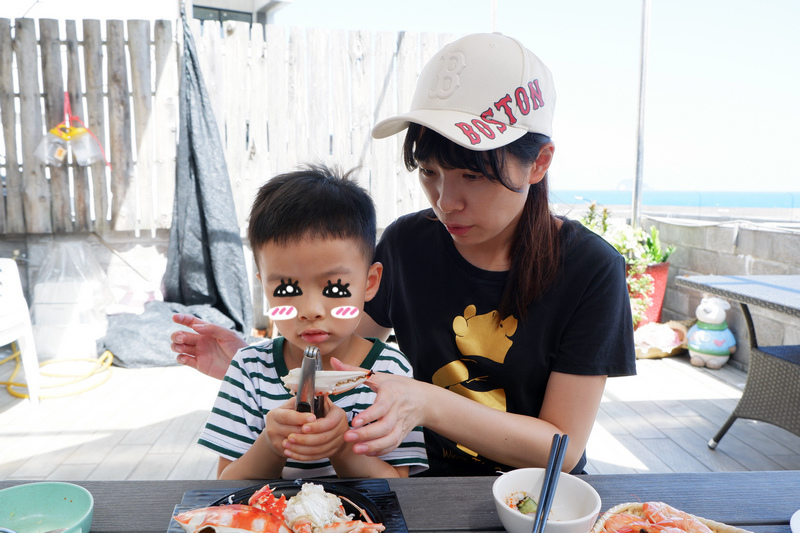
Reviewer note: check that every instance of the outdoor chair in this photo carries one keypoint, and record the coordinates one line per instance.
(772, 391)
(15, 324)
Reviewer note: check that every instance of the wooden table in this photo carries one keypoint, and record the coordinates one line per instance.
(758, 501)
(772, 391)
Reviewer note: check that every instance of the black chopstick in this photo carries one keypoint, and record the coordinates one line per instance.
(557, 451)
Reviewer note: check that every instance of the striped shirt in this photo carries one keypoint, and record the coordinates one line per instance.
(252, 386)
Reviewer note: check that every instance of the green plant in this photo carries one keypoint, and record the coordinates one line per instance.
(640, 249)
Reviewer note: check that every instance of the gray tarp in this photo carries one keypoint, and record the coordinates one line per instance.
(205, 261)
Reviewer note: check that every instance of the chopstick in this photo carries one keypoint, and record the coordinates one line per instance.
(557, 451)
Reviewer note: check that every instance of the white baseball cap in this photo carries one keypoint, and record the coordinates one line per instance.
(482, 91)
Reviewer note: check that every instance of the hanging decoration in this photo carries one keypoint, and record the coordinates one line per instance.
(73, 134)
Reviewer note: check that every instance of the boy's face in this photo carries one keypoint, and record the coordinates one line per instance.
(316, 289)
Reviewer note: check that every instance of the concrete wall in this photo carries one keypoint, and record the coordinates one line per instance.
(730, 248)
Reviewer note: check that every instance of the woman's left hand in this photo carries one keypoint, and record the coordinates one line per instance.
(398, 409)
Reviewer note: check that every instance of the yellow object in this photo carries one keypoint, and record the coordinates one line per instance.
(100, 365)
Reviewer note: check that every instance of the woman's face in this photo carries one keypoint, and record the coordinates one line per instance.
(479, 214)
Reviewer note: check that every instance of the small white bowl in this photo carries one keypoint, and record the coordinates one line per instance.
(575, 507)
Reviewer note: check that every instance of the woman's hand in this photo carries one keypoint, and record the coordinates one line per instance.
(398, 409)
(208, 350)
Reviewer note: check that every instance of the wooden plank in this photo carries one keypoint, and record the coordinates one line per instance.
(96, 120)
(297, 98)
(81, 200)
(341, 140)
(277, 88)
(123, 195)
(36, 191)
(317, 76)
(165, 110)
(234, 116)
(361, 100)
(11, 211)
(384, 157)
(53, 89)
(142, 97)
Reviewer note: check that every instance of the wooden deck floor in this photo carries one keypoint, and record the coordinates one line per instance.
(144, 423)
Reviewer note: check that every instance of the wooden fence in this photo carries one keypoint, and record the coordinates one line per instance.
(281, 97)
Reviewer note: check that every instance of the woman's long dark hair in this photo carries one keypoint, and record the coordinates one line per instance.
(535, 251)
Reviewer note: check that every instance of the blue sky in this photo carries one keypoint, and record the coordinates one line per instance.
(723, 79)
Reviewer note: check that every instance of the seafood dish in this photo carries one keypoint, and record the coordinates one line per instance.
(311, 510)
(328, 381)
(656, 517)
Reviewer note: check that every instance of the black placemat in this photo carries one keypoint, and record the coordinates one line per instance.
(377, 490)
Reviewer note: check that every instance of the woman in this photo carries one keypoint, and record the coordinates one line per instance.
(512, 318)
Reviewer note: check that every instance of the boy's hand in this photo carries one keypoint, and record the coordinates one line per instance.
(209, 349)
(320, 438)
(284, 422)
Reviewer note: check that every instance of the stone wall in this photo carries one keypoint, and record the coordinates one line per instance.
(736, 248)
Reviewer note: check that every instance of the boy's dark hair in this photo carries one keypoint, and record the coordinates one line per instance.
(315, 201)
(535, 250)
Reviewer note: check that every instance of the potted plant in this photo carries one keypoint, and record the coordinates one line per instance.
(645, 257)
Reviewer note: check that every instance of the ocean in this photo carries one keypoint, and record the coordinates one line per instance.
(777, 206)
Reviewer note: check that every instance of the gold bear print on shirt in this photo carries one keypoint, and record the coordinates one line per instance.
(477, 336)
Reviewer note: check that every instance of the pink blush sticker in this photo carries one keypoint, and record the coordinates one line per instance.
(282, 312)
(346, 311)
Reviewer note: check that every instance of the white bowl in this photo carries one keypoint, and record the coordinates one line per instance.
(575, 507)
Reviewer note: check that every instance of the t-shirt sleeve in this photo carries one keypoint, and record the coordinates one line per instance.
(234, 422)
(598, 337)
(378, 307)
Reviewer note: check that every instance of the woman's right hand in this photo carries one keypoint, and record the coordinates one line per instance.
(209, 349)
(398, 409)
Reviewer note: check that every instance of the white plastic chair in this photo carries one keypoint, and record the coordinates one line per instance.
(15, 324)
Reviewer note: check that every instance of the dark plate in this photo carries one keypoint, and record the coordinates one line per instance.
(354, 502)
(372, 495)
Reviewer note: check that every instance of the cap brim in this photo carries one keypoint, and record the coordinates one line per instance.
(444, 123)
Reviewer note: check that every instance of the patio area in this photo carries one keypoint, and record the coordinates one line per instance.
(144, 424)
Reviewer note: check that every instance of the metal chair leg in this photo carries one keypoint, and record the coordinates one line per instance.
(724, 429)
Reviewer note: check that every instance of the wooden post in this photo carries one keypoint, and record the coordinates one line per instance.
(96, 118)
(123, 197)
(36, 192)
(11, 213)
(165, 113)
(80, 175)
(142, 93)
(53, 82)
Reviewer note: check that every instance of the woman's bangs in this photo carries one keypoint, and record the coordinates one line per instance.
(430, 146)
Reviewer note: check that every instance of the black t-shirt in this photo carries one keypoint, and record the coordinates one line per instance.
(441, 308)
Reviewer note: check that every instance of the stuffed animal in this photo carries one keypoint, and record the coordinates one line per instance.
(710, 341)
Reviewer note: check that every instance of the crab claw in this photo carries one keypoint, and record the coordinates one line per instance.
(231, 519)
(329, 381)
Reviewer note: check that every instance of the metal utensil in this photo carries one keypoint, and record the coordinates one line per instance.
(307, 401)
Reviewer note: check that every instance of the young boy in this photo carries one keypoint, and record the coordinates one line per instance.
(312, 234)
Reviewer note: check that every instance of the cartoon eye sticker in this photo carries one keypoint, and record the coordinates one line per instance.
(336, 290)
(282, 312)
(346, 311)
(288, 289)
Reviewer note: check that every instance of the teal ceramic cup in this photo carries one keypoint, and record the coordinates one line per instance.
(41, 507)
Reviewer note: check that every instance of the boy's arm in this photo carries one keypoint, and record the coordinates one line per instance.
(259, 462)
(349, 465)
